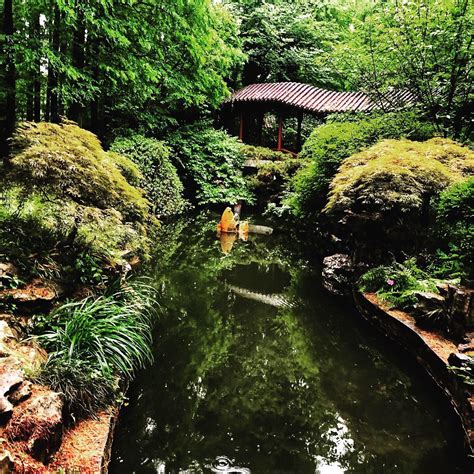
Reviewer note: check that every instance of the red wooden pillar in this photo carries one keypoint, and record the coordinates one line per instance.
(280, 133)
(241, 129)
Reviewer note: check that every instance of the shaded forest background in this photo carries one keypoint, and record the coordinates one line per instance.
(148, 65)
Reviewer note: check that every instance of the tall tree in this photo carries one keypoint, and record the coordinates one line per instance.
(78, 59)
(104, 61)
(424, 46)
(284, 40)
(8, 78)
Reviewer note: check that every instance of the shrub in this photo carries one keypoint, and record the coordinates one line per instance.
(70, 163)
(454, 211)
(94, 341)
(331, 143)
(397, 178)
(456, 203)
(211, 162)
(62, 198)
(86, 390)
(271, 181)
(263, 153)
(160, 178)
(38, 228)
(398, 283)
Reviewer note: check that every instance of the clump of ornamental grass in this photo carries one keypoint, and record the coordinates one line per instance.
(96, 342)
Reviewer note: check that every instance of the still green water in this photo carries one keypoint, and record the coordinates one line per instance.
(259, 370)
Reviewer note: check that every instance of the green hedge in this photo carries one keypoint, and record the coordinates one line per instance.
(160, 178)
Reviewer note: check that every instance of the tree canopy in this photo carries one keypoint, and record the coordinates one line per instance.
(148, 64)
(103, 60)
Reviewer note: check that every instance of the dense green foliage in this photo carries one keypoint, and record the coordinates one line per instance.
(397, 283)
(454, 211)
(160, 178)
(294, 40)
(263, 153)
(331, 143)
(424, 46)
(271, 181)
(284, 40)
(90, 342)
(108, 64)
(211, 161)
(65, 207)
(69, 162)
(396, 179)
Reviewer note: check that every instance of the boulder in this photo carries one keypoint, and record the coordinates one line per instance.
(338, 274)
(11, 377)
(38, 424)
(20, 393)
(36, 295)
(26, 353)
(6, 332)
(6, 459)
(8, 271)
(259, 229)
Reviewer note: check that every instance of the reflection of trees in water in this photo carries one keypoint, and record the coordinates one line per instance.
(264, 386)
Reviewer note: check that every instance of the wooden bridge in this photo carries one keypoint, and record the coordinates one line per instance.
(289, 99)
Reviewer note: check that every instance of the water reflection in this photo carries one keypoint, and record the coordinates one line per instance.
(244, 385)
(224, 465)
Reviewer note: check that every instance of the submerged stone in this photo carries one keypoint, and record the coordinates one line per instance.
(338, 272)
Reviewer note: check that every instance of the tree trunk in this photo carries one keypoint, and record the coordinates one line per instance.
(29, 107)
(95, 109)
(52, 73)
(37, 75)
(76, 108)
(9, 79)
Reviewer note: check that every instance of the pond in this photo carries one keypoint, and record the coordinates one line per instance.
(259, 370)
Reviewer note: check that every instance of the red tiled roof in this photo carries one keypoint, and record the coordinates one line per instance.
(313, 99)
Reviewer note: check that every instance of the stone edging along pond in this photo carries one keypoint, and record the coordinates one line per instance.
(431, 350)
